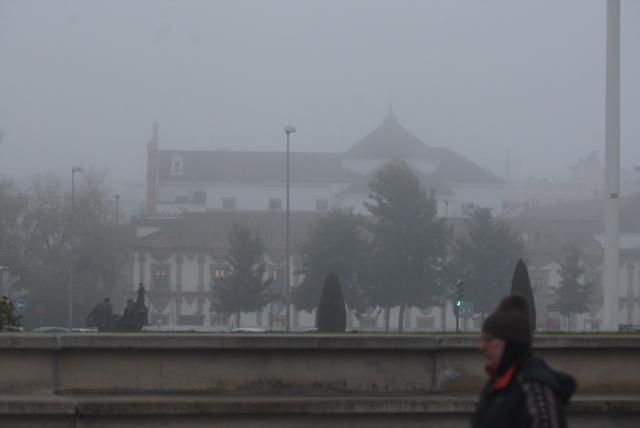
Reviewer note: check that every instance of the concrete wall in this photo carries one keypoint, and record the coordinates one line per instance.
(289, 380)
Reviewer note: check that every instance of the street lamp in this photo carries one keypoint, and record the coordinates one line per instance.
(287, 130)
(443, 316)
(70, 300)
(117, 198)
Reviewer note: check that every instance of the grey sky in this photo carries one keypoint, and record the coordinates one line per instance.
(82, 81)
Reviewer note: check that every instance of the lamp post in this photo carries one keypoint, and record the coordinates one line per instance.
(117, 198)
(443, 317)
(288, 130)
(117, 237)
(73, 254)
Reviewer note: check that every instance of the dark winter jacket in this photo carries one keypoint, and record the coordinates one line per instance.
(529, 394)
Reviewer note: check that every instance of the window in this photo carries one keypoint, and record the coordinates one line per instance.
(176, 165)
(160, 276)
(322, 204)
(218, 274)
(275, 204)
(228, 203)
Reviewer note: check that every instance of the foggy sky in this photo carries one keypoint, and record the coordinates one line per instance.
(81, 82)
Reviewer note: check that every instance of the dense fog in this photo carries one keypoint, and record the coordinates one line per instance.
(513, 86)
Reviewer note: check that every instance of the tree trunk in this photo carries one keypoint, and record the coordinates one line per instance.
(387, 314)
(443, 316)
(401, 317)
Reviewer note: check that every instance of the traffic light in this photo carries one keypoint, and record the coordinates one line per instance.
(459, 293)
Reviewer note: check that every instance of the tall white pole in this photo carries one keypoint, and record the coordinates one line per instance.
(72, 250)
(287, 269)
(287, 275)
(612, 171)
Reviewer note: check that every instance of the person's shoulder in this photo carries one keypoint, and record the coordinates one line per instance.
(535, 370)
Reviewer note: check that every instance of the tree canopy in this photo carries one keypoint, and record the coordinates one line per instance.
(38, 241)
(336, 243)
(407, 241)
(245, 288)
(485, 259)
(574, 291)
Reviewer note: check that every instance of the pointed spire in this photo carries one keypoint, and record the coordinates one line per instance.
(391, 117)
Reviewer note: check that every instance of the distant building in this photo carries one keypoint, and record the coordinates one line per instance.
(585, 181)
(198, 181)
(193, 197)
(547, 229)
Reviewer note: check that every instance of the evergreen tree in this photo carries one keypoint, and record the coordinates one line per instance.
(573, 292)
(245, 288)
(331, 316)
(336, 244)
(484, 259)
(520, 284)
(408, 241)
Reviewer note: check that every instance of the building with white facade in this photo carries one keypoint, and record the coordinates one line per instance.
(198, 181)
(193, 198)
(547, 229)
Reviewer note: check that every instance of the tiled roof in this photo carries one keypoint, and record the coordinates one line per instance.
(454, 168)
(210, 229)
(389, 140)
(392, 141)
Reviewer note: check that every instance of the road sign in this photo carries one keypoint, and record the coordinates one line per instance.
(466, 310)
(20, 305)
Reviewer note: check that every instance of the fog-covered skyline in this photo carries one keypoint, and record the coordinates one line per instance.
(81, 82)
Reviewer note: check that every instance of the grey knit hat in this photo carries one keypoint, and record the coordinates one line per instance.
(510, 321)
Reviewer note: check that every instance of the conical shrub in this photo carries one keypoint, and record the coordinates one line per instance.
(331, 316)
(520, 284)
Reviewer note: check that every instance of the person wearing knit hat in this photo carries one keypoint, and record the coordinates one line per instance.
(522, 390)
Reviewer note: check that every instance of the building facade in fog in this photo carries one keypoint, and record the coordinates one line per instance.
(199, 181)
(193, 198)
(546, 230)
(181, 259)
(584, 181)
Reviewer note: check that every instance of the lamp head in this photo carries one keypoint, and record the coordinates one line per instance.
(289, 129)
